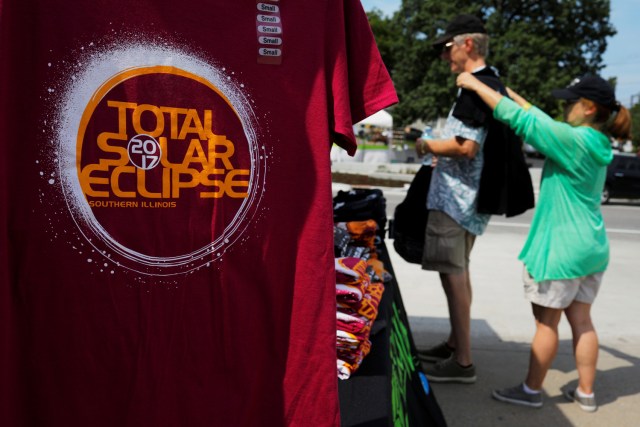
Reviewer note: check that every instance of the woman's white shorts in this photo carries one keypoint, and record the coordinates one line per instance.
(561, 293)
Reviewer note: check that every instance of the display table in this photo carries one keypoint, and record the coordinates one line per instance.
(389, 388)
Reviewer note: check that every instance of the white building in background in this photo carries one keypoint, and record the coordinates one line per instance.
(374, 135)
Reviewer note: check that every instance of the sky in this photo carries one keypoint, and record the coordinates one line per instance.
(621, 59)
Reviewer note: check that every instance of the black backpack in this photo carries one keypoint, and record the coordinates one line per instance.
(410, 218)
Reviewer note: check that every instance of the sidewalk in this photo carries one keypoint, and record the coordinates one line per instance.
(502, 327)
(403, 173)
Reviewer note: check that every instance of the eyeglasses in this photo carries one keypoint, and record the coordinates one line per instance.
(447, 47)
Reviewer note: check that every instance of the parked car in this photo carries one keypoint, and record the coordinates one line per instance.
(623, 177)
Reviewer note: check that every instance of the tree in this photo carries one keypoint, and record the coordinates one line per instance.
(385, 36)
(537, 45)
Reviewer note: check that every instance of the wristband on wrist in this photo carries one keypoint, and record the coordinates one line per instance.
(526, 106)
(424, 147)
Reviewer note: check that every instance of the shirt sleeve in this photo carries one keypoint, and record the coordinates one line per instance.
(359, 83)
(556, 140)
(463, 130)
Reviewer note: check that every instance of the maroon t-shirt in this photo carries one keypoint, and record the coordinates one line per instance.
(166, 244)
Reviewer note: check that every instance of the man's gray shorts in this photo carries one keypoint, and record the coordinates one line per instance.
(447, 245)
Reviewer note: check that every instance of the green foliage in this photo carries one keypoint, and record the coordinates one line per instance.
(537, 45)
(386, 40)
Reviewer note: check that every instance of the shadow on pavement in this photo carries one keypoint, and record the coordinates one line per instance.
(504, 364)
(612, 382)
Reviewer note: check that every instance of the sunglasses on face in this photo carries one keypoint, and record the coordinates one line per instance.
(447, 47)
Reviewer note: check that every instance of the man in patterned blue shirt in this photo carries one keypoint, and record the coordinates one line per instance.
(453, 221)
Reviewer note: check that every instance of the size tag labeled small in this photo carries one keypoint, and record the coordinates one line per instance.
(269, 31)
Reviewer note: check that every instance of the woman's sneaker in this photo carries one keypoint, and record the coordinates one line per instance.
(518, 396)
(586, 403)
(436, 353)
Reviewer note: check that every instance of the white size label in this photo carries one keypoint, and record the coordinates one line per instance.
(270, 40)
(264, 7)
(265, 51)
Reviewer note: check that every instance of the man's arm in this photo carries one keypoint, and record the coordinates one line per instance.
(451, 147)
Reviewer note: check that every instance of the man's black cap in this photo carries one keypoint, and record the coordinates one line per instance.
(591, 87)
(461, 24)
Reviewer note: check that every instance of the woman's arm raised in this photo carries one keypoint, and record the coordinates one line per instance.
(470, 82)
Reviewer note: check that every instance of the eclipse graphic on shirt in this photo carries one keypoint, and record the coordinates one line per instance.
(144, 152)
(159, 159)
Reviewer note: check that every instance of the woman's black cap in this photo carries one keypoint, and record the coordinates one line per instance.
(591, 87)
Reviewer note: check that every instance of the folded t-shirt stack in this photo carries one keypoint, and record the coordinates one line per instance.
(359, 286)
(353, 326)
(363, 233)
(359, 239)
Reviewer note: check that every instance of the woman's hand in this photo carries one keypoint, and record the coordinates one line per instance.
(468, 81)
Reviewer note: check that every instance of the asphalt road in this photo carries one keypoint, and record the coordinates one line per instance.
(622, 217)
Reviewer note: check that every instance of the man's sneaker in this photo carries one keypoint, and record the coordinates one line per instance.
(586, 403)
(518, 396)
(449, 371)
(436, 353)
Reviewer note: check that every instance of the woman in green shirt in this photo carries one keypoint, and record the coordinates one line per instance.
(567, 250)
